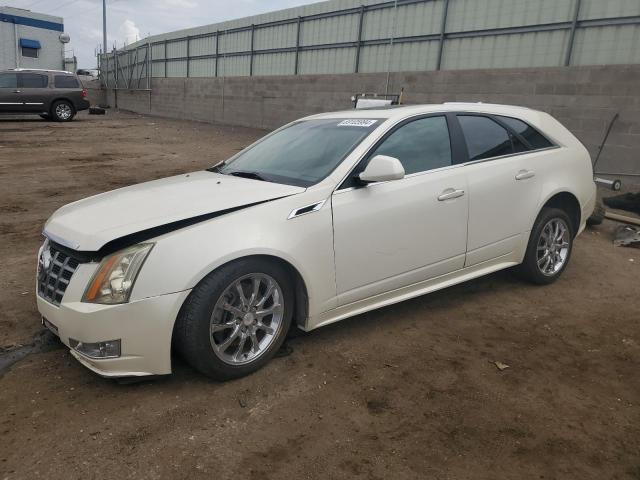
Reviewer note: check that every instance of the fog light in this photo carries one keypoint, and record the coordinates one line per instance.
(108, 349)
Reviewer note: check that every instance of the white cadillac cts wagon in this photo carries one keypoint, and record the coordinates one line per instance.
(327, 217)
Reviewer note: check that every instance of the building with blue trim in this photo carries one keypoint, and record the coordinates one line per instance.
(31, 40)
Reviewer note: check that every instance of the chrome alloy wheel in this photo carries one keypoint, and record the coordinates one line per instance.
(553, 246)
(63, 111)
(246, 318)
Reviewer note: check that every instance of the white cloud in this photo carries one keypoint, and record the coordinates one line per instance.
(128, 32)
(180, 3)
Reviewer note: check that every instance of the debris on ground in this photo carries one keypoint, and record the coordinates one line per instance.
(500, 366)
(97, 111)
(627, 236)
(629, 202)
(597, 216)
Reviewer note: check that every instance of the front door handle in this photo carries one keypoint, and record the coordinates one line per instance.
(17, 91)
(449, 194)
(524, 174)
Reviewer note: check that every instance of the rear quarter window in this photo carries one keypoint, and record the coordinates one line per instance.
(66, 81)
(526, 131)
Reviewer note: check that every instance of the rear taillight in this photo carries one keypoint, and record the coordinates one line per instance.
(84, 93)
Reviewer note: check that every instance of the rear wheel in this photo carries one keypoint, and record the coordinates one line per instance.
(236, 319)
(62, 111)
(549, 247)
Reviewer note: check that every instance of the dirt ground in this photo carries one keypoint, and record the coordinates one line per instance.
(409, 391)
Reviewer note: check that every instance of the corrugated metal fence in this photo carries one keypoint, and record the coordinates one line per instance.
(402, 35)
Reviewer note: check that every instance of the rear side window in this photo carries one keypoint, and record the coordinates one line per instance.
(526, 131)
(419, 145)
(8, 80)
(485, 138)
(66, 81)
(32, 80)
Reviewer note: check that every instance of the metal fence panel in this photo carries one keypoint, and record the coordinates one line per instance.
(177, 68)
(158, 69)
(157, 50)
(416, 56)
(617, 44)
(590, 9)
(236, 66)
(279, 36)
(273, 63)
(202, 46)
(412, 19)
(177, 49)
(329, 30)
(235, 42)
(345, 36)
(537, 49)
(333, 60)
(466, 15)
(202, 67)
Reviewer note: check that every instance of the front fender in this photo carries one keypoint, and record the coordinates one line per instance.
(181, 259)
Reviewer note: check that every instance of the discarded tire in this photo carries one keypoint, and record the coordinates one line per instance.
(597, 216)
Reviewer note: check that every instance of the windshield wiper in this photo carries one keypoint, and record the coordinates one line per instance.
(251, 175)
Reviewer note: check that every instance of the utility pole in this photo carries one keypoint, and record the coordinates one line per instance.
(104, 26)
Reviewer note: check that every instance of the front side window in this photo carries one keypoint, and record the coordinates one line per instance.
(8, 80)
(526, 131)
(485, 138)
(29, 52)
(420, 145)
(65, 81)
(302, 154)
(32, 80)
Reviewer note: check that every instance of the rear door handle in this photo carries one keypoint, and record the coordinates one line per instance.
(17, 91)
(449, 194)
(524, 174)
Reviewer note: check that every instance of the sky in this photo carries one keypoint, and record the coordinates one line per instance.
(131, 20)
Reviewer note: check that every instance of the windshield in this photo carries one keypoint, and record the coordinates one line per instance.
(302, 154)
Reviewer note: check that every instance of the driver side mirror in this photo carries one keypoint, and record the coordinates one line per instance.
(382, 168)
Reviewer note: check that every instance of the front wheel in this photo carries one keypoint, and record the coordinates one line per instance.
(549, 247)
(236, 319)
(62, 111)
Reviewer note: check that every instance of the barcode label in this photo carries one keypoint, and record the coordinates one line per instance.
(357, 122)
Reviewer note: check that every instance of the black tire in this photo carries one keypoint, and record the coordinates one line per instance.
(529, 269)
(62, 111)
(597, 217)
(192, 337)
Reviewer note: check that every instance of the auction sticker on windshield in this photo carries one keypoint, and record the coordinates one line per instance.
(357, 122)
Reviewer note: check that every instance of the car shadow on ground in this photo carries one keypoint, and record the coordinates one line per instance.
(350, 327)
(22, 120)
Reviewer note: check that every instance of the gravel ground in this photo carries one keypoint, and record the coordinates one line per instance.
(408, 391)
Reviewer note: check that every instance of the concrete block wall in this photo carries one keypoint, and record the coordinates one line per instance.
(585, 99)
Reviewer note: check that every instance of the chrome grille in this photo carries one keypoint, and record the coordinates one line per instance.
(55, 269)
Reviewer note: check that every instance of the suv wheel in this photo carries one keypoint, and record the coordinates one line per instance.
(62, 111)
(549, 247)
(236, 319)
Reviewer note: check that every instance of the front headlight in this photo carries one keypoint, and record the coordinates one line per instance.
(113, 281)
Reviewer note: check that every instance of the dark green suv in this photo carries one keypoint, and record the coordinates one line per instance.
(53, 94)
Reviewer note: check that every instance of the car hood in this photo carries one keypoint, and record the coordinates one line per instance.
(91, 223)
